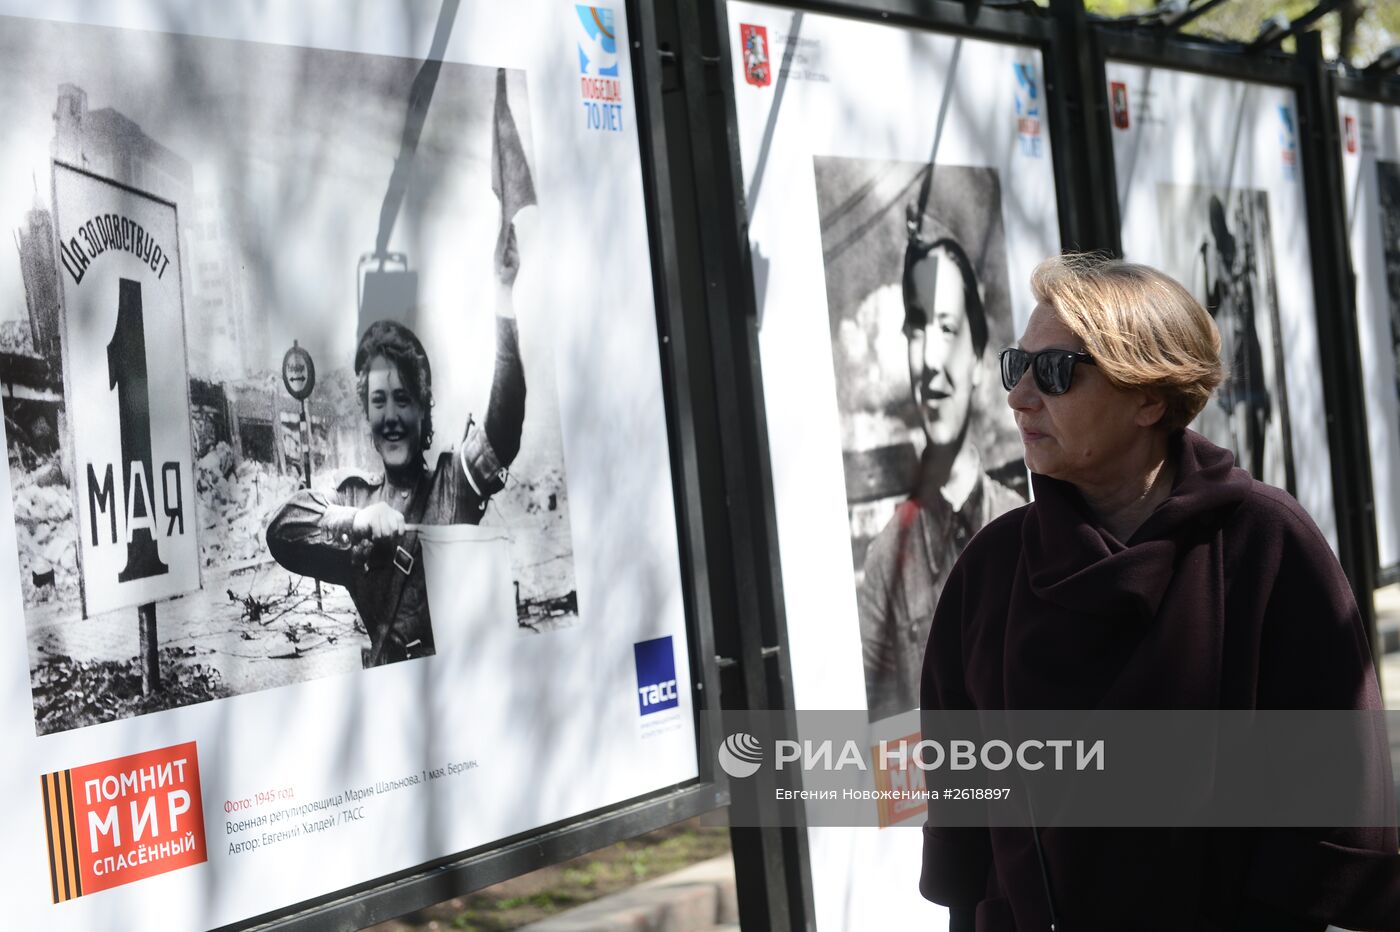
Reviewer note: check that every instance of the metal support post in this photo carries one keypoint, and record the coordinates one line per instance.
(1089, 203)
(1334, 284)
(149, 648)
(715, 278)
(306, 476)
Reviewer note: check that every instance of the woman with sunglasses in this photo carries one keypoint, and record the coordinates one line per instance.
(1149, 572)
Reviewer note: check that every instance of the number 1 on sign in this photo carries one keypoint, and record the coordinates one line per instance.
(126, 372)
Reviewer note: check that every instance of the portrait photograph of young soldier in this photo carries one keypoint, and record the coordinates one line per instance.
(299, 518)
(1217, 243)
(919, 305)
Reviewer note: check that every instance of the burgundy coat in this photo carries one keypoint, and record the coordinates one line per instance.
(1228, 597)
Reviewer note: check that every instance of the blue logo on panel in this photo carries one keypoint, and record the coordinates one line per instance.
(597, 41)
(1288, 143)
(1027, 102)
(656, 675)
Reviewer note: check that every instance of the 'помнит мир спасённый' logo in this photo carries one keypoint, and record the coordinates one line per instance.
(123, 820)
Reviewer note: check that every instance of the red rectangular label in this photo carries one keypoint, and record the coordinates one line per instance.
(1118, 95)
(123, 820)
(906, 782)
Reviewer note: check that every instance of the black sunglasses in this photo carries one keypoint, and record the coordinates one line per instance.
(1053, 368)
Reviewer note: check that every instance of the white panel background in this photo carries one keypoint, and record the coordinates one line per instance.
(555, 725)
(1378, 131)
(881, 102)
(1221, 133)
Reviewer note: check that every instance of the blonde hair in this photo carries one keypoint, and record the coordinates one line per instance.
(1142, 327)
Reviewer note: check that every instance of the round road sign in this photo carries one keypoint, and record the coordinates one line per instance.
(298, 372)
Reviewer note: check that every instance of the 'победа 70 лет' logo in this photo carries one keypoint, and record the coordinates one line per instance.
(599, 80)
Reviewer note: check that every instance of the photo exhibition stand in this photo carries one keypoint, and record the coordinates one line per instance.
(638, 267)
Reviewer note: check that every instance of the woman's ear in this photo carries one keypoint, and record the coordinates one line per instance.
(1152, 408)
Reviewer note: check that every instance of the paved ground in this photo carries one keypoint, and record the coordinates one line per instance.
(1388, 624)
(700, 898)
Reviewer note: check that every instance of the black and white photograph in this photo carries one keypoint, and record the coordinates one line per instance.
(349, 249)
(1388, 176)
(1217, 242)
(919, 303)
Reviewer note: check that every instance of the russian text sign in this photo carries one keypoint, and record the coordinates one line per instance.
(855, 194)
(119, 270)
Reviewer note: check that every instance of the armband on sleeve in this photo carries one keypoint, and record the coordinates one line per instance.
(479, 461)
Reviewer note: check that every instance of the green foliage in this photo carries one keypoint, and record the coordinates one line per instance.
(1118, 7)
(552, 890)
(1239, 20)
(1387, 16)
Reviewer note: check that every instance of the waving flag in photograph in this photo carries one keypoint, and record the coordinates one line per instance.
(510, 170)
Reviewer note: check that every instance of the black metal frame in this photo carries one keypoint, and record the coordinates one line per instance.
(770, 863)
(386, 897)
(1307, 76)
(698, 487)
(1333, 275)
(1381, 90)
(1086, 145)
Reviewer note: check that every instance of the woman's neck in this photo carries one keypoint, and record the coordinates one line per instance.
(1124, 505)
(404, 477)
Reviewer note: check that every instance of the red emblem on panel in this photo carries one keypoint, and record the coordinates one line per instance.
(1351, 134)
(756, 66)
(1118, 95)
(123, 820)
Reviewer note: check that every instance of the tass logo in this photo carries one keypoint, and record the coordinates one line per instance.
(656, 675)
(123, 820)
(740, 755)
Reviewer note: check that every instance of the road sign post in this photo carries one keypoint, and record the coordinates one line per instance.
(149, 658)
(299, 377)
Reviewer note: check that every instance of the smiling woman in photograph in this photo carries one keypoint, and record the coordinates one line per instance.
(362, 535)
(1149, 572)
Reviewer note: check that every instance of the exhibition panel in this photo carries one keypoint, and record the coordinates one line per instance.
(1210, 189)
(1370, 146)
(264, 615)
(891, 248)
(419, 417)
